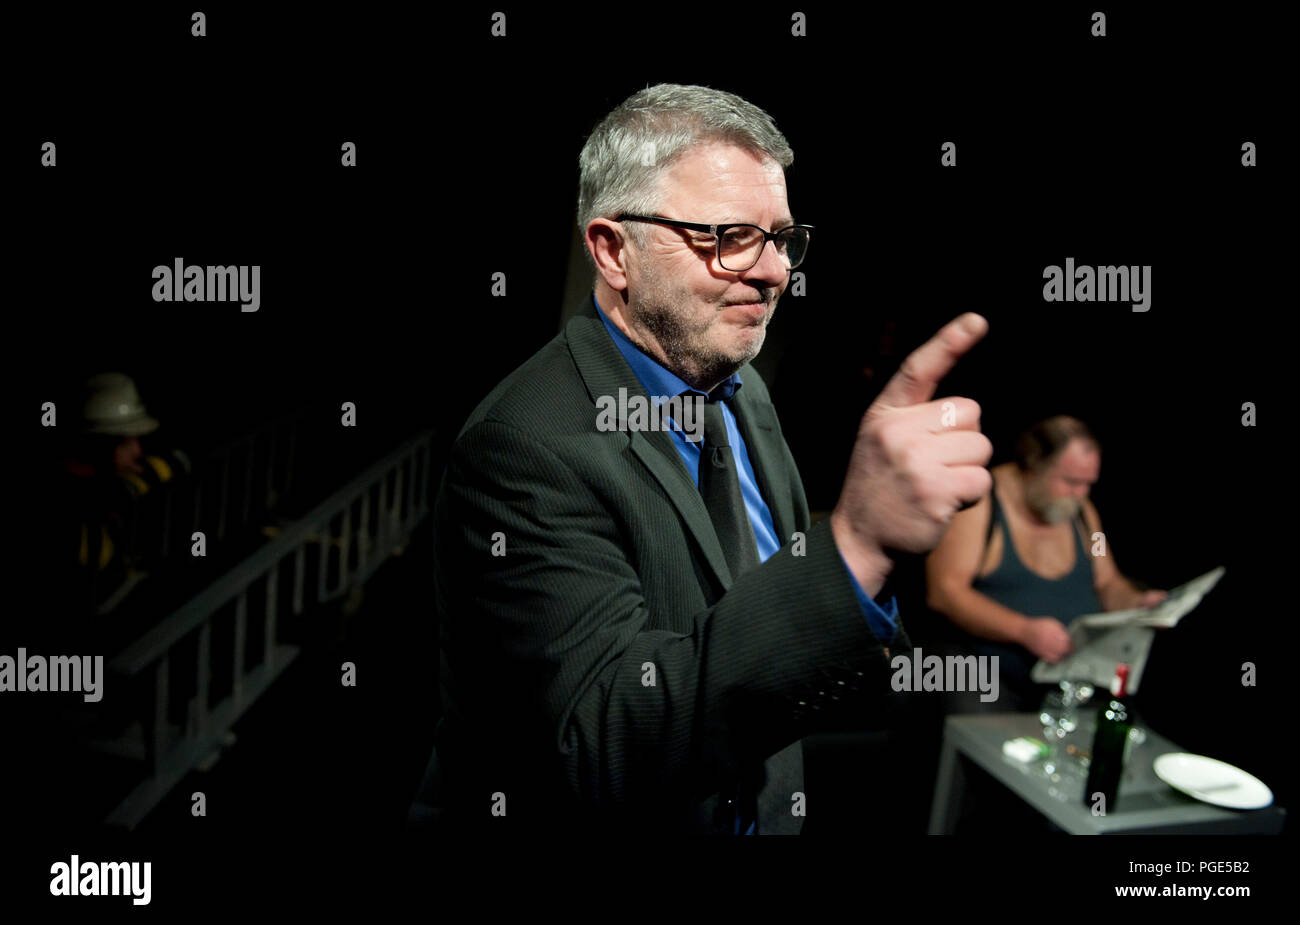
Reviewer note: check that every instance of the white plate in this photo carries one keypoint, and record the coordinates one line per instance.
(1212, 781)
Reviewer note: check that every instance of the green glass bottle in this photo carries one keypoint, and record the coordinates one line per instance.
(1108, 744)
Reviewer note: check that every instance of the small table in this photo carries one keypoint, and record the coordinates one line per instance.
(1146, 805)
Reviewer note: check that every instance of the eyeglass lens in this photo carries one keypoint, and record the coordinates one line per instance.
(742, 246)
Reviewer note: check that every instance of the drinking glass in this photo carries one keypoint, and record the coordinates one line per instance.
(1059, 715)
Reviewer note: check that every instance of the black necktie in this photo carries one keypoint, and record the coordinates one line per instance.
(737, 806)
(720, 486)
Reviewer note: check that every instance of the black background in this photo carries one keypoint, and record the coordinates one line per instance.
(376, 289)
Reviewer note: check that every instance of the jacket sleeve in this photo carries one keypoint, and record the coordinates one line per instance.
(637, 717)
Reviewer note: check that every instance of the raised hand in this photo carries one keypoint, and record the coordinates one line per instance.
(916, 460)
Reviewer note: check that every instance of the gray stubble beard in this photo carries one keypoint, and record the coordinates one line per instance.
(680, 341)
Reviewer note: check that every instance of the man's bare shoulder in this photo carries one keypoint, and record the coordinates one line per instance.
(1090, 515)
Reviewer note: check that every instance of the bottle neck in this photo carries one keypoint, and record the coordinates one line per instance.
(1119, 684)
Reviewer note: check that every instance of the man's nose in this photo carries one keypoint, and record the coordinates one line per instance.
(771, 268)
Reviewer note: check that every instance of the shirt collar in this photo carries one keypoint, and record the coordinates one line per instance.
(654, 377)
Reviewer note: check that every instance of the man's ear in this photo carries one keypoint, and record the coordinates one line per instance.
(605, 242)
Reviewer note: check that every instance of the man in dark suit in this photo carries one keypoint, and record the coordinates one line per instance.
(639, 624)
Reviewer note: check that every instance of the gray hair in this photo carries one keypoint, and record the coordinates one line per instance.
(627, 154)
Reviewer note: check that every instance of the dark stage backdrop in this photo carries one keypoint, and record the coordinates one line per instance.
(376, 289)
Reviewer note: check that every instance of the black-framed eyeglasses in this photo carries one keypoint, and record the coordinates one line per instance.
(739, 245)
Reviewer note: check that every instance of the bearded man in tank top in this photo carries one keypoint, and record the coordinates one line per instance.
(1014, 570)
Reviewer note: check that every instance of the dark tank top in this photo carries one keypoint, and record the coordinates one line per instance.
(1013, 585)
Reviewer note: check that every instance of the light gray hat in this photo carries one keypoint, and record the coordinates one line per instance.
(113, 406)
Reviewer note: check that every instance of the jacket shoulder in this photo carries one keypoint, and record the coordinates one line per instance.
(537, 395)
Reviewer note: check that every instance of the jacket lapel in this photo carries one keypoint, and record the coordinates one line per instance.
(657, 453)
(604, 371)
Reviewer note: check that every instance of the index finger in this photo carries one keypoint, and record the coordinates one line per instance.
(920, 374)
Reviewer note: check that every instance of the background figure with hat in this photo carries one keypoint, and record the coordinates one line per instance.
(99, 483)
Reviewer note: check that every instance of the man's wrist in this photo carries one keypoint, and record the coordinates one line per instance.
(1020, 631)
(865, 559)
(1119, 596)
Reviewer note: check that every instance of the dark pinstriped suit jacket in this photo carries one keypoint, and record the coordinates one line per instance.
(606, 669)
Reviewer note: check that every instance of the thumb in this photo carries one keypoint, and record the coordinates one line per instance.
(920, 373)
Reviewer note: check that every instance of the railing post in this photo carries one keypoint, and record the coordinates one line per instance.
(396, 513)
(158, 734)
(324, 534)
(241, 630)
(345, 547)
(381, 531)
(299, 576)
(272, 601)
(363, 533)
(199, 716)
